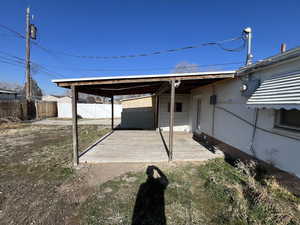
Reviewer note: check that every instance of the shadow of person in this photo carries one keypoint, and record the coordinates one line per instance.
(149, 206)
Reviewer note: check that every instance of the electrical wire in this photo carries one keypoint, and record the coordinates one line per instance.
(17, 61)
(19, 35)
(150, 69)
(40, 66)
(252, 125)
(216, 43)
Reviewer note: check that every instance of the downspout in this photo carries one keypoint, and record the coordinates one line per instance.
(252, 149)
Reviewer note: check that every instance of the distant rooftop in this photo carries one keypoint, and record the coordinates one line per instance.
(3, 91)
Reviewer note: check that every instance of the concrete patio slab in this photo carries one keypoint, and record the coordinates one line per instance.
(187, 149)
(144, 146)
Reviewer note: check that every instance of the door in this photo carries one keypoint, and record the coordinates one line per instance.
(198, 114)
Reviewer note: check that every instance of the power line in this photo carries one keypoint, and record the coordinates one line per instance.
(17, 61)
(150, 69)
(216, 43)
(125, 69)
(44, 68)
(19, 35)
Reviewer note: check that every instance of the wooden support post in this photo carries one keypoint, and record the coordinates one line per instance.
(75, 126)
(156, 111)
(172, 104)
(112, 112)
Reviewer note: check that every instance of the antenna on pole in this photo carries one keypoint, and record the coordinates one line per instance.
(248, 33)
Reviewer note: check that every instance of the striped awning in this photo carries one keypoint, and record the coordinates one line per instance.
(278, 92)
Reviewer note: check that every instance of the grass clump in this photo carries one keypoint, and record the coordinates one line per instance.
(211, 193)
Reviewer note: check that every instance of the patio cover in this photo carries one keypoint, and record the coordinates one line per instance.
(140, 84)
(280, 92)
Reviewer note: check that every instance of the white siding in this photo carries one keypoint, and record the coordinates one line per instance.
(181, 119)
(92, 111)
(284, 152)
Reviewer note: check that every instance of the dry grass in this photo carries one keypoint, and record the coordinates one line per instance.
(39, 186)
(34, 164)
(214, 193)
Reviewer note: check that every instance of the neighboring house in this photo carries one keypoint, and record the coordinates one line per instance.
(254, 110)
(138, 112)
(8, 95)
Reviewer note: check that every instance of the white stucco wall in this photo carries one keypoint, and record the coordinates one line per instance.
(91, 111)
(181, 119)
(284, 152)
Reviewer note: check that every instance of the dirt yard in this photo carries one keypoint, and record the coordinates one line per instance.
(39, 186)
(34, 167)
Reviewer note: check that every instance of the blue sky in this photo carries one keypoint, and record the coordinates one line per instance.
(106, 28)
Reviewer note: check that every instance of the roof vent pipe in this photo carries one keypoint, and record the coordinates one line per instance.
(283, 47)
(248, 34)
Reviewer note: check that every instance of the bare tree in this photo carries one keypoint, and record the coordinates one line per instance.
(36, 90)
(185, 67)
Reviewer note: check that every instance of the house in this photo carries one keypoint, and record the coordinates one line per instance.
(257, 112)
(8, 95)
(253, 111)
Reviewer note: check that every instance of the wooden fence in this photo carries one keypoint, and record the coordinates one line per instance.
(27, 110)
(45, 109)
(14, 108)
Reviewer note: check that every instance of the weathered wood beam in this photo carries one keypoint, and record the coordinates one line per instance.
(163, 88)
(139, 80)
(171, 133)
(74, 125)
(106, 93)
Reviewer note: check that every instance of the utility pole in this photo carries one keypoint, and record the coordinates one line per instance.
(27, 63)
(30, 34)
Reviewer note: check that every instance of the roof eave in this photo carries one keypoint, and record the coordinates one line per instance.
(174, 75)
(287, 56)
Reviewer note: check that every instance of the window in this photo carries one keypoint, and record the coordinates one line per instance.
(289, 119)
(178, 107)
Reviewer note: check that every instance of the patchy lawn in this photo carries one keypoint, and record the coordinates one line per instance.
(39, 186)
(34, 162)
(211, 193)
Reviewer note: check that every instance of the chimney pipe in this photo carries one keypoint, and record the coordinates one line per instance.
(283, 47)
(248, 35)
